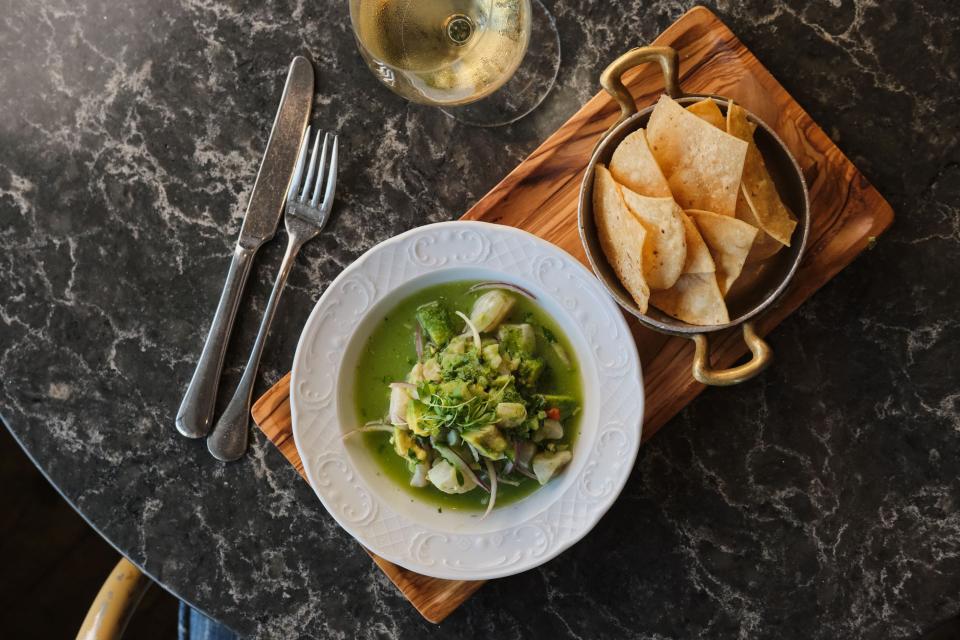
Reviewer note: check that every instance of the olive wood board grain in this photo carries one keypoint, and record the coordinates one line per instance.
(540, 196)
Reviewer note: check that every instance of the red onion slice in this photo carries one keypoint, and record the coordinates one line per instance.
(502, 285)
(526, 473)
(418, 341)
(522, 453)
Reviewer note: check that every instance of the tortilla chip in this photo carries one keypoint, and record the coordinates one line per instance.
(665, 247)
(764, 246)
(698, 255)
(709, 111)
(758, 188)
(729, 240)
(752, 276)
(621, 236)
(633, 166)
(694, 299)
(702, 164)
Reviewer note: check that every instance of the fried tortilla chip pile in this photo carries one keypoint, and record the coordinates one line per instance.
(684, 205)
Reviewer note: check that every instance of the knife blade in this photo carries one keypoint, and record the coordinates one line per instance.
(195, 416)
(273, 178)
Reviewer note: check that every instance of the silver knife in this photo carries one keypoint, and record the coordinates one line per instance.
(195, 416)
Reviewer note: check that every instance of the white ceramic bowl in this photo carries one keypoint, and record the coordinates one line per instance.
(383, 516)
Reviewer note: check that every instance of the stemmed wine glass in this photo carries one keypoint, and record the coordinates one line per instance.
(469, 57)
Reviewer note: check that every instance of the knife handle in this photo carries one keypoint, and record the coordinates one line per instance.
(228, 440)
(195, 416)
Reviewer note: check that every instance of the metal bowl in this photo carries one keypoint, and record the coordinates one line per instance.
(755, 290)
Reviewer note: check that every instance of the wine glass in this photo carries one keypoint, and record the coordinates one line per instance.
(468, 57)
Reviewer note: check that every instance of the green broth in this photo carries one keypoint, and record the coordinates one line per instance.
(389, 354)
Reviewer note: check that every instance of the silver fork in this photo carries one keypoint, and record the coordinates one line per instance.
(306, 215)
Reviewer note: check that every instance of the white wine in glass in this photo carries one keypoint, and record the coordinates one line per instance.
(449, 53)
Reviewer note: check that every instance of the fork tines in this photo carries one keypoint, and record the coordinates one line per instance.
(307, 191)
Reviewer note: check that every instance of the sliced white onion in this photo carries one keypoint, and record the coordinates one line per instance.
(502, 285)
(473, 329)
(368, 428)
(493, 487)
(418, 342)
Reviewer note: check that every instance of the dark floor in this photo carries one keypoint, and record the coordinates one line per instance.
(54, 563)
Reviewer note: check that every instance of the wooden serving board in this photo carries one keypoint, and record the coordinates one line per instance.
(541, 194)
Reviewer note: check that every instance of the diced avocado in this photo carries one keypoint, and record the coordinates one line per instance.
(455, 389)
(490, 309)
(547, 464)
(459, 344)
(488, 441)
(518, 339)
(464, 366)
(566, 404)
(529, 371)
(435, 320)
(431, 370)
(511, 414)
(491, 354)
(499, 381)
(415, 410)
(406, 446)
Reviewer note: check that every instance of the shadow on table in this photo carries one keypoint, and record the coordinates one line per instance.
(54, 563)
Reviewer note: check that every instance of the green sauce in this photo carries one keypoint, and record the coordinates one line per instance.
(389, 354)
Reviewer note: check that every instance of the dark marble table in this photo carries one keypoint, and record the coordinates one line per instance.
(818, 501)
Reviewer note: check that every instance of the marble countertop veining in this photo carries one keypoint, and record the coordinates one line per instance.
(818, 501)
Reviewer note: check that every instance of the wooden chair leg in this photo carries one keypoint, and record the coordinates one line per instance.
(115, 603)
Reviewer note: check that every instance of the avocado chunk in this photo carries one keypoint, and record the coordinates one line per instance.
(517, 339)
(415, 411)
(456, 389)
(511, 414)
(488, 441)
(491, 354)
(406, 446)
(529, 371)
(435, 320)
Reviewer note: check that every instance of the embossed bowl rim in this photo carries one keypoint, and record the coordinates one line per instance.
(382, 516)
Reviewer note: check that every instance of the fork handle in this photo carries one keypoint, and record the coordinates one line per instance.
(228, 441)
(195, 416)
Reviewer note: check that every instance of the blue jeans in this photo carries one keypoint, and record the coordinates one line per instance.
(193, 625)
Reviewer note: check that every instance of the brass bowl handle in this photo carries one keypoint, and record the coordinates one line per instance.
(762, 357)
(612, 77)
